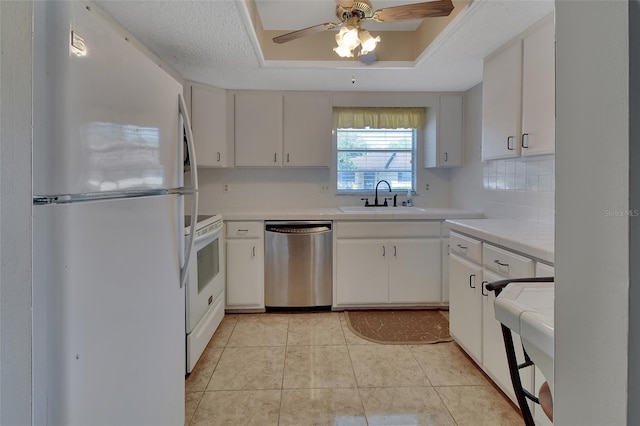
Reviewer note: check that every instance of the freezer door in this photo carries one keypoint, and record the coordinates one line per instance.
(105, 115)
(109, 313)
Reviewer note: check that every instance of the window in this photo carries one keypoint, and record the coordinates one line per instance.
(366, 156)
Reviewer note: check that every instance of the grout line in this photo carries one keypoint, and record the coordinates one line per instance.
(445, 405)
(284, 366)
(419, 365)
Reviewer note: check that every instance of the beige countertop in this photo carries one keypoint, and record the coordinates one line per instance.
(530, 238)
(334, 213)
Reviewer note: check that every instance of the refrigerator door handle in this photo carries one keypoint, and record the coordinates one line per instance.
(182, 107)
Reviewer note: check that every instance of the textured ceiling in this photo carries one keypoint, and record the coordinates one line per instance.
(213, 42)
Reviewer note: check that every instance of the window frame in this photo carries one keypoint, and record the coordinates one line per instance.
(369, 191)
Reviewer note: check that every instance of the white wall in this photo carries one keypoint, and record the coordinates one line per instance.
(633, 393)
(592, 226)
(15, 213)
(277, 188)
(520, 188)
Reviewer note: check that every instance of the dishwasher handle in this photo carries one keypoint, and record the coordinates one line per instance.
(302, 228)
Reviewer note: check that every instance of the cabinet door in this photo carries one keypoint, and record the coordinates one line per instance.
(445, 270)
(258, 129)
(362, 272)
(307, 130)
(494, 356)
(450, 131)
(501, 103)
(245, 273)
(538, 92)
(414, 270)
(209, 125)
(465, 305)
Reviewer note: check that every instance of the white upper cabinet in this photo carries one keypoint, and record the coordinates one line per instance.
(258, 129)
(518, 96)
(209, 125)
(275, 130)
(501, 103)
(307, 130)
(443, 144)
(538, 92)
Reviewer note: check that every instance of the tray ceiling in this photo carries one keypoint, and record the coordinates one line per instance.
(217, 42)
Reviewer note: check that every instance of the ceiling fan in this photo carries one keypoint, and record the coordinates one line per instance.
(352, 13)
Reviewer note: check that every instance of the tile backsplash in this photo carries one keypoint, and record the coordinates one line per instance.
(520, 188)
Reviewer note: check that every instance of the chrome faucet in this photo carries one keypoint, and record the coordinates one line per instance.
(375, 202)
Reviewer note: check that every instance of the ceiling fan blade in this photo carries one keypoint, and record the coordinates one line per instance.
(414, 11)
(304, 32)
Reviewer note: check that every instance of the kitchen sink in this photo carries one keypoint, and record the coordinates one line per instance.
(390, 210)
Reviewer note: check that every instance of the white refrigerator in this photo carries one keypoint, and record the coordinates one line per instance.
(109, 251)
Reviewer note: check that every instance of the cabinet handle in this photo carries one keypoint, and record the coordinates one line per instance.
(471, 279)
(384, 251)
(501, 264)
(395, 251)
(446, 157)
(287, 157)
(218, 157)
(509, 139)
(522, 140)
(461, 247)
(482, 290)
(253, 251)
(275, 157)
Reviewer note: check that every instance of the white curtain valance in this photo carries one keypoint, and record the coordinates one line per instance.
(379, 117)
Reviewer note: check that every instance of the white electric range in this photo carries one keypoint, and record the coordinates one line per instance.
(205, 297)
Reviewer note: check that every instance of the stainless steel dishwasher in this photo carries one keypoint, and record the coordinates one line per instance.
(298, 264)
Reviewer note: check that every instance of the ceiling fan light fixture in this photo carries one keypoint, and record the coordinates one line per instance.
(349, 37)
(343, 52)
(368, 42)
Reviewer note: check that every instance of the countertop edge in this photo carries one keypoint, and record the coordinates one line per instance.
(336, 214)
(530, 238)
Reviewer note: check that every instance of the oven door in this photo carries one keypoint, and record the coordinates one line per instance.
(206, 277)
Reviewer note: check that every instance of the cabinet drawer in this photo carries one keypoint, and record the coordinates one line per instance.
(507, 263)
(245, 229)
(387, 229)
(465, 247)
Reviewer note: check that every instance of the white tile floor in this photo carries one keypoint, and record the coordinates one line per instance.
(310, 369)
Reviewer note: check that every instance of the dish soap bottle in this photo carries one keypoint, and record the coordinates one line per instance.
(409, 199)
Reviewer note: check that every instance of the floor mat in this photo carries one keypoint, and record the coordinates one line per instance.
(400, 326)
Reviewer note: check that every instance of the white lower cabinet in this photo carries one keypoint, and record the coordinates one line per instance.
(388, 271)
(500, 264)
(494, 356)
(381, 263)
(465, 305)
(445, 270)
(472, 322)
(362, 272)
(414, 270)
(245, 265)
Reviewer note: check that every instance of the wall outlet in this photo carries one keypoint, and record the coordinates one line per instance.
(225, 187)
(426, 187)
(324, 187)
